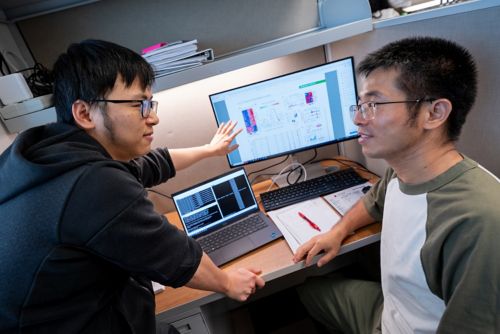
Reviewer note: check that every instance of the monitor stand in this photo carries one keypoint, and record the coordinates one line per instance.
(313, 170)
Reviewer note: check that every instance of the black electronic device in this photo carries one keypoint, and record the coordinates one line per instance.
(290, 113)
(323, 185)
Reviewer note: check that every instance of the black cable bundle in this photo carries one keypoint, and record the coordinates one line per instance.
(40, 80)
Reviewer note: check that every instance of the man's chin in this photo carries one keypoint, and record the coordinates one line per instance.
(370, 154)
(141, 153)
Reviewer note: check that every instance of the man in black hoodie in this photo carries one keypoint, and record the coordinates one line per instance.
(80, 241)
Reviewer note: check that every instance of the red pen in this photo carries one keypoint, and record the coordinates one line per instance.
(314, 226)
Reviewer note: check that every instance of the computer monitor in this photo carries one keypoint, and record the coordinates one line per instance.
(290, 113)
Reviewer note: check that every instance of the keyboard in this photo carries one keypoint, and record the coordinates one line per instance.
(235, 231)
(319, 186)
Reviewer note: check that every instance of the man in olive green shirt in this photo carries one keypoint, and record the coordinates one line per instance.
(440, 262)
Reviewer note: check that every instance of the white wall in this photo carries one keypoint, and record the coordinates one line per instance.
(187, 119)
(477, 31)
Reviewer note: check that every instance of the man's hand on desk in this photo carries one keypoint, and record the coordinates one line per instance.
(243, 282)
(329, 242)
(237, 284)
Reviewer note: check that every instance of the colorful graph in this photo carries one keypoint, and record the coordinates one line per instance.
(309, 97)
(250, 123)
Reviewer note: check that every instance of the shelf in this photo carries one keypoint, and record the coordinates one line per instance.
(25, 9)
(263, 52)
(446, 10)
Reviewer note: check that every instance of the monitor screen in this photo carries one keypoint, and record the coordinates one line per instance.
(290, 113)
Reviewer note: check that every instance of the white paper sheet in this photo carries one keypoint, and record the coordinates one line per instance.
(343, 200)
(295, 229)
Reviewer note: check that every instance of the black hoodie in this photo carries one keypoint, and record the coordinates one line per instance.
(79, 239)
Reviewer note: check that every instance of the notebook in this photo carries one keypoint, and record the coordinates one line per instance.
(222, 214)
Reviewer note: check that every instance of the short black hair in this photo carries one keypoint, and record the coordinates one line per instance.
(88, 71)
(430, 67)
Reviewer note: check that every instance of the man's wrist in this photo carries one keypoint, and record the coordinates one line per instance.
(343, 230)
(225, 283)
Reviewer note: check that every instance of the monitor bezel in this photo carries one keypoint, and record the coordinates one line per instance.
(336, 141)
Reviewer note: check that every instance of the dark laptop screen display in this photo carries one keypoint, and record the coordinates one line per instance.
(215, 202)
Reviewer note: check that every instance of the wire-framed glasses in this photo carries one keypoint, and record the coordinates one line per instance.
(146, 106)
(368, 109)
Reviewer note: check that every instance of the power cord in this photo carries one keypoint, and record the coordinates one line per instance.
(38, 78)
(159, 193)
(284, 169)
(263, 169)
(40, 81)
(300, 173)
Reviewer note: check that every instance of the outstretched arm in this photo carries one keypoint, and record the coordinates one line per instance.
(330, 241)
(238, 284)
(219, 145)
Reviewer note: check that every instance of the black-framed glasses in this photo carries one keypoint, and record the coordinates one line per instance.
(369, 108)
(147, 106)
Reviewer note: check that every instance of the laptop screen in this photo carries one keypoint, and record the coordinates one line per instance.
(215, 202)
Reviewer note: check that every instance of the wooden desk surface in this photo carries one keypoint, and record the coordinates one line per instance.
(275, 260)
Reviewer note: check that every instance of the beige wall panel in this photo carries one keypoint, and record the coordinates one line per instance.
(478, 31)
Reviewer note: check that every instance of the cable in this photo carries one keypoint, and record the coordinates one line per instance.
(40, 80)
(289, 173)
(159, 193)
(264, 174)
(300, 174)
(281, 172)
(312, 159)
(260, 170)
(298, 177)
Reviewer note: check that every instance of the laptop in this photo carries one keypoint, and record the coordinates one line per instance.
(222, 214)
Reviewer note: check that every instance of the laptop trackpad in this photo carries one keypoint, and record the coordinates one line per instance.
(232, 251)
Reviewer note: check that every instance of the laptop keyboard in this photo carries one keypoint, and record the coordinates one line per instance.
(235, 231)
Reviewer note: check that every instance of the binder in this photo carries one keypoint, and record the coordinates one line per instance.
(166, 58)
(170, 47)
(192, 56)
(196, 59)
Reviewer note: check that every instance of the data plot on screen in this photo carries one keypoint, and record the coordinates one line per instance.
(290, 113)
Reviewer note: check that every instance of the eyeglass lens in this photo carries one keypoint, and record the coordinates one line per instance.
(148, 106)
(367, 110)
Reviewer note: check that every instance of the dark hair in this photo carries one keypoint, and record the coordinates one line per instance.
(430, 68)
(88, 70)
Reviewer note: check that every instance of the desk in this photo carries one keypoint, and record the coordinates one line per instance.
(196, 311)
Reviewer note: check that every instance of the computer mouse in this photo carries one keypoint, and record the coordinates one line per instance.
(331, 169)
(365, 189)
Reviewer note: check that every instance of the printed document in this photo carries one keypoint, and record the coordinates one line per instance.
(296, 229)
(343, 200)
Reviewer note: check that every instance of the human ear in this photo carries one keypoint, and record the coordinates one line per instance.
(81, 114)
(437, 113)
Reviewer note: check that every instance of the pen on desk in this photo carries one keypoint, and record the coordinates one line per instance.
(314, 226)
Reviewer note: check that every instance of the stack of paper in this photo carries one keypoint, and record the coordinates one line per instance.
(296, 229)
(343, 200)
(167, 58)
